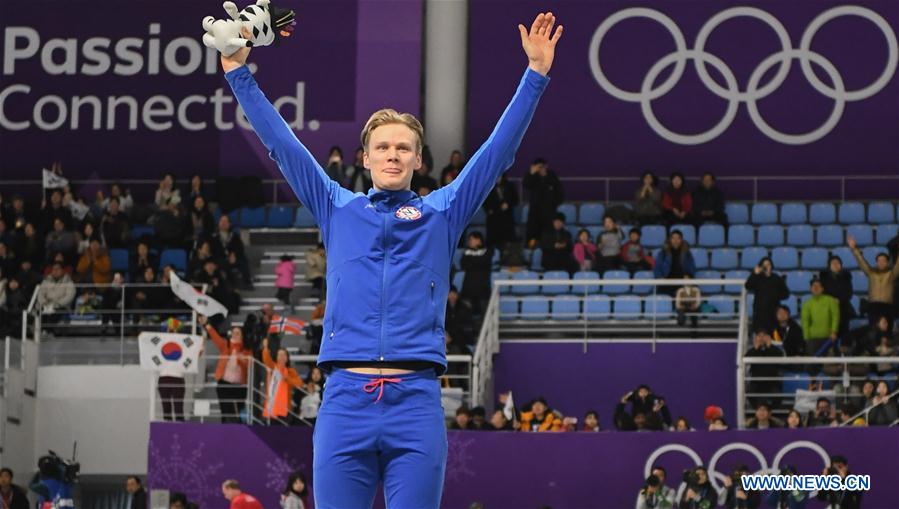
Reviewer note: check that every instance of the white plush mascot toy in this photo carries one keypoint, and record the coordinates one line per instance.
(265, 22)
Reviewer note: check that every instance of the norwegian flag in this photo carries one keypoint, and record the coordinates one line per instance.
(286, 325)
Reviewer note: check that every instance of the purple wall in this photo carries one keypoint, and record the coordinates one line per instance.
(517, 470)
(689, 376)
(583, 130)
(340, 52)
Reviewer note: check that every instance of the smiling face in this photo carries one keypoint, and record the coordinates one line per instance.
(392, 156)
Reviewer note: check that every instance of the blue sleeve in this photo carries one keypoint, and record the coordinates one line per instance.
(464, 196)
(306, 177)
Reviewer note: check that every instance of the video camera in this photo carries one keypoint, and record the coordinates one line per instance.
(53, 467)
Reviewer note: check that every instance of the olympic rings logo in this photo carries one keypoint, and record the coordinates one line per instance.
(754, 92)
(716, 476)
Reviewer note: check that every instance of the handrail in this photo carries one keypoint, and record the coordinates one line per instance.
(867, 410)
(486, 346)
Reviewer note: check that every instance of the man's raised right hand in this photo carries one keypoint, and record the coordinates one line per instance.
(239, 57)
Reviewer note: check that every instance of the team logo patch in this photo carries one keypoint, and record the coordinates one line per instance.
(171, 351)
(408, 213)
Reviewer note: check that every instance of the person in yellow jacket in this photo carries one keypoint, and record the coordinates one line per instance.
(281, 381)
(540, 418)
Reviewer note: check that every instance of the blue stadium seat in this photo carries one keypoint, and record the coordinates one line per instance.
(534, 308)
(458, 279)
(598, 307)
(279, 217)
(741, 275)
(536, 259)
(792, 302)
(304, 218)
(141, 231)
(521, 213)
(616, 289)
(495, 259)
(830, 235)
(856, 303)
(709, 274)
(570, 212)
(501, 276)
(813, 258)
(822, 213)
(555, 289)
(642, 289)
(764, 213)
(885, 233)
(174, 257)
(793, 213)
(741, 235)
(870, 254)
(526, 275)
(700, 257)
(659, 307)
(573, 229)
(785, 258)
(751, 256)
(724, 259)
(725, 304)
(653, 235)
(566, 308)
(591, 213)
(771, 235)
(711, 235)
(846, 257)
(118, 259)
(596, 230)
(688, 231)
(234, 216)
(851, 213)
(508, 308)
(881, 212)
(628, 308)
(800, 235)
(252, 217)
(859, 282)
(580, 289)
(795, 381)
(479, 218)
(737, 213)
(863, 234)
(798, 281)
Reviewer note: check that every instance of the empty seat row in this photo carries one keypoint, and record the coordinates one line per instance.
(783, 258)
(598, 307)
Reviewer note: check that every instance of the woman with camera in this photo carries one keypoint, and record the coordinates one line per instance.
(699, 493)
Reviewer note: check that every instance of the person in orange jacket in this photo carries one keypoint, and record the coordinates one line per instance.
(279, 384)
(231, 371)
(540, 418)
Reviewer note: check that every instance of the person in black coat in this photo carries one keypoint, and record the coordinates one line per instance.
(500, 207)
(545, 195)
(762, 347)
(137, 496)
(708, 202)
(477, 262)
(11, 495)
(458, 323)
(556, 245)
(838, 284)
(769, 289)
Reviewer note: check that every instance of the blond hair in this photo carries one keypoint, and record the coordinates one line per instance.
(391, 116)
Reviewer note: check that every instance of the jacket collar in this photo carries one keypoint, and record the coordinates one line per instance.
(390, 198)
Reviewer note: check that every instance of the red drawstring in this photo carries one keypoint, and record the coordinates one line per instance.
(379, 383)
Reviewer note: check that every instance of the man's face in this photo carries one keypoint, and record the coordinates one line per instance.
(660, 474)
(456, 159)
(5, 480)
(224, 223)
(498, 420)
(643, 392)
(762, 413)
(462, 420)
(823, 407)
(114, 207)
(558, 224)
(56, 272)
(131, 485)
(58, 225)
(640, 421)
(708, 181)
(676, 241)
(782, 315)
(539, 408)
(392, 156)
(56, 199)
(817, 288)
(883, 262)
(835, 265)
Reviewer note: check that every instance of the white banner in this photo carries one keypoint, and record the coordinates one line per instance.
(169, 351)
(54, 181)
(199, 302)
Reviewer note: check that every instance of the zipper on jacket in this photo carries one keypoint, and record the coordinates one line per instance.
(383, 287)
(434, 307)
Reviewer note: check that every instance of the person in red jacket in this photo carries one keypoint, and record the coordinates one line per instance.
(676, 201)
(280, 382)
(239, 499)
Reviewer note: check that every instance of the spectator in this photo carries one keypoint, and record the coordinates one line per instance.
(556, 245)
(884, 349)
(545, 196)
(540, 418)
(585, 251)
(498, 422)
(873, 336)
(866, 398)
(28, 276)
(478, 419)
(311, 402)
(126, 202)
(83, 240)
(847, 499)
(632, 253)
(698, 492)
(335, 168)
(477, 262)
(137, 496)
(54, 210)
(769, 289)
(822, 414)
(760, 374)
(763, 418)
(171, 388)
(782, 499)
(16, 302)
(170, 227)
(462, 420)
(200, 222)
(281, 379)
(228, 247)
(675, 261)
(29, 247)
(219, 287)
(296, 492)
(18, 215)
(114, 226)
(453, 169)
(609, 245)
(239, 499)
(591, 421)
(880, 282)
(838, 284)
(60, 240)
(676, 201)
(458, 321)
(652, 406)
(57, 291)
(8, 263)
(708, 202)
(820, 321)
(788, 334)
(687, 300)
(111, 302)
(198, 259)
(422, 180)
(358, 179)
(734, 496)
(95, 265)
(195, 188)
(12, 496)
(284, 276)
(316, 267)
(655, 493)
(884, 411)
(682, 424)
(230, 372)
(718, 424)
(500, 208)
(648, 200)
(167, 197)
(794, 419)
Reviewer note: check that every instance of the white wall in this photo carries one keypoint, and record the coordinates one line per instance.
(106, 409)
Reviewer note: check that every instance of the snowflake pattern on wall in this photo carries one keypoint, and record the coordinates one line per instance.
(187, 472)
(279, 471)
(458, 459)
